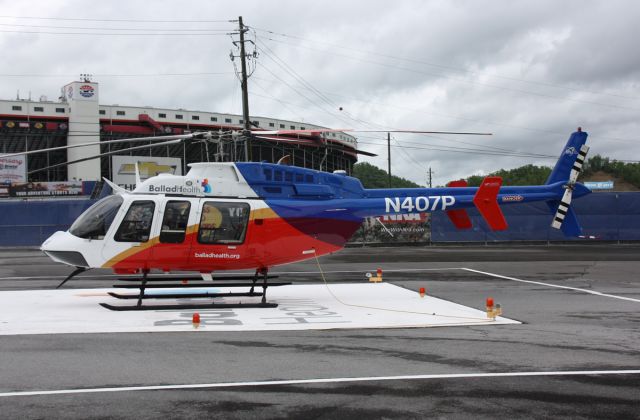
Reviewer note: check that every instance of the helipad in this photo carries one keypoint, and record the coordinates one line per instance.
(301, 307)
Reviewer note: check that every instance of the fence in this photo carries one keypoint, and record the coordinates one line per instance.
(24, 223)
(606, 216)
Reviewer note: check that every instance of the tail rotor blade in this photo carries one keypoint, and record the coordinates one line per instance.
(577, 166)
(563, 209)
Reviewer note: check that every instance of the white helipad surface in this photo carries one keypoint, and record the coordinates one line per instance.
(301, 307)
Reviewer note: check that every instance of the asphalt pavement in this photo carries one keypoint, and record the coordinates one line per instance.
(578, 304)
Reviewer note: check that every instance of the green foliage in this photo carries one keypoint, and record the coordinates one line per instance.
(537, 175)
(524, 175)
(373, 177)
(629, 172)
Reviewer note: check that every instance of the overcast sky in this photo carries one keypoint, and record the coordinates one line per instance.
(529, 72)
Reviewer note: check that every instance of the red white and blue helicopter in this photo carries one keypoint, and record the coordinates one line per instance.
(249, 215)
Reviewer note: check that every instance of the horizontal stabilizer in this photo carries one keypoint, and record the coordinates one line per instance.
(458, 183)
(459, 218)
(486, 200)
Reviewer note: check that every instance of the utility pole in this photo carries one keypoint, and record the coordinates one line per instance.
(430, 177)
(245, 92)
(389, 157)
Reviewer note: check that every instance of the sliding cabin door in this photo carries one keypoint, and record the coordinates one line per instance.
(176, 233)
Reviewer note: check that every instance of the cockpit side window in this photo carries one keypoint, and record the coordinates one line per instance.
(136, 225)
(223, 223)
(95, 222)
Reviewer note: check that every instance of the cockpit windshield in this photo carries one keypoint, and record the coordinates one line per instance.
(94, 223)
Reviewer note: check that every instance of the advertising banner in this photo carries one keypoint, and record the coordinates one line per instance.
(13, 169)
(124, 173)
(43, 189)
(599, 185)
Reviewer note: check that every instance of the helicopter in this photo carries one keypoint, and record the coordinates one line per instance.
(224, 216)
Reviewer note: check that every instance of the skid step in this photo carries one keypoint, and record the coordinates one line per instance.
(187, 306)
(182, 295)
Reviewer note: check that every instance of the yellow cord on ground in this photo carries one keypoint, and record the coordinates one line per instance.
(483, 320)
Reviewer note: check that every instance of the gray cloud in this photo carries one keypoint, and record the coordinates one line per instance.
(530, 72)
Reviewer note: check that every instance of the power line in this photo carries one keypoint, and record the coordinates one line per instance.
(120, 75)
(119, 20)
(476, 73)
(456, 150)
(457, 117)
(117, 29)
(279, 62)
(117, 34)
(314, 103)
(415, 162)
(317, 92)
(441, 75)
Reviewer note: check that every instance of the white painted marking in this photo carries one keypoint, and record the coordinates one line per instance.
(318, 381)
(577, 289)
(302, 307)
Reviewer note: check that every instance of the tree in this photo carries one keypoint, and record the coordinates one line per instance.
(373, 177)
(537, 175)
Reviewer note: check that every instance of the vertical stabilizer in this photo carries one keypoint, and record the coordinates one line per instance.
(573, 153)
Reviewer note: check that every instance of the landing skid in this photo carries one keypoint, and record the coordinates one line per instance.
(160, 282)
(191, 277)
(193, 285)
(183, 295)
(187, 306)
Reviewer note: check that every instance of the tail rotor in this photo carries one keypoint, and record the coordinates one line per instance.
(564, 211)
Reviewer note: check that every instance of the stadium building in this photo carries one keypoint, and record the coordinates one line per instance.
(78, 117)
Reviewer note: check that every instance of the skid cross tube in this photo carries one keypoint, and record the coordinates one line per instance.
(161, 282)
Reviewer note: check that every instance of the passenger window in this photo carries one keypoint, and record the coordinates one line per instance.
(137, 223)
(223, 223)
(174, 222)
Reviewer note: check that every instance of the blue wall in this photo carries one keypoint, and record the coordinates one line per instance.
(607, 216)
(31, 222)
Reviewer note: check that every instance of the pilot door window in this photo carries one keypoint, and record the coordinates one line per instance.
(137, 223)
(174, 222)
(223, 223)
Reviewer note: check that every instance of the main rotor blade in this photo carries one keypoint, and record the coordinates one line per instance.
(145, 146)
(341, 130)
(423, 132)
(129, 140)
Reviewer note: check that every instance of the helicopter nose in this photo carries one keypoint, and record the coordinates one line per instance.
(60, 248)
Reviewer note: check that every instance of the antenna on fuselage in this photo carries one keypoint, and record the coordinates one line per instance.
(115, 187)
(138, 181)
